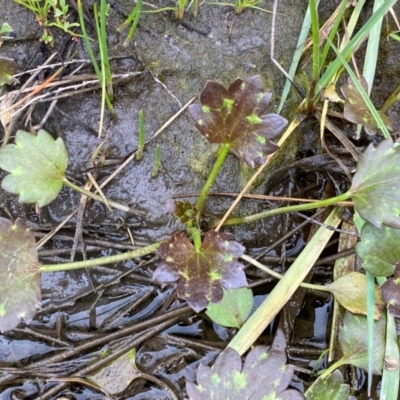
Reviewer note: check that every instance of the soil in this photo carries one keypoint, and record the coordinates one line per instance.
(89, 314)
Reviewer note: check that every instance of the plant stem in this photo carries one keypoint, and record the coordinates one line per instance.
(95, 196)
(195, 233)
(139, 152)
(287, 209)
(276, 275)
(143, 251)
(223, 152)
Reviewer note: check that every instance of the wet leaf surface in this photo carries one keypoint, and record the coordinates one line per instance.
(332, 388)
(117, 376)
(8, 68)
(353, 339)
(234, 308)
(264, 375)
(234, 116)
(36, 164)
(355, 109)
(201, 274)
(375, 189)
(391, 292)
(350, 291)
(379, 249)
(20, 281)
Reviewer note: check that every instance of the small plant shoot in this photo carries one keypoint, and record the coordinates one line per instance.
(8, 68)
(201, 273)
(264, 375)
(20, 294)
(37, 166)
(355, 109)
(234, 117)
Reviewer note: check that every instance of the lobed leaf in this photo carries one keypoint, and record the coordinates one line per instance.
(20, 295)
(375, 189)
(234, 116)
(264, 375)
(379, 249)
(201, 274)
(357, 111)
(37, 166)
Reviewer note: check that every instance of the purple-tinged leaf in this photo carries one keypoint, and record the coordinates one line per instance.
(375, 189)
(264, 375)
(391, 292)
(20, 295)
(357, 111)
(201, 274)
(234, 116)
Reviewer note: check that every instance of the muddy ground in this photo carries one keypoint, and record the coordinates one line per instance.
(110, 309)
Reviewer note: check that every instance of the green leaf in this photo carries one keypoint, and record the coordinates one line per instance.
(350, 291)
(379, 249)
(8, 68)
(375, 189)
(332, 388)
(357, 111)
(20, 295)
(37, 166)
(264, 376)
(234, 308)
(117, 376)
(5, 28)
(201, 274)
(353, 340)
(234, 116)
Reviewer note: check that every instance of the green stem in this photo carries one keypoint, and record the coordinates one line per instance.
(144, 251)
(315, 38)
(331, 368)
(287, 209)
(195, 233)
(139, 152)
(96, 197)
(223, 152)
(276, 275)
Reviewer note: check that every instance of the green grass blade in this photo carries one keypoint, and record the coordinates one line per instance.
(284, 289)
(348, 49)
(364, 95)
(296, 57)
(370, 325)
(390, 377)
